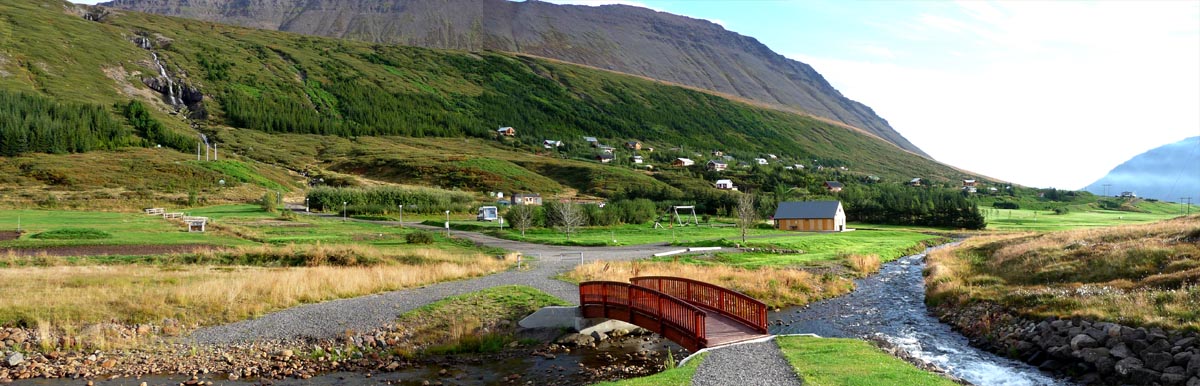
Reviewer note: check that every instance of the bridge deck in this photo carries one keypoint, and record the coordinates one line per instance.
(723, 330)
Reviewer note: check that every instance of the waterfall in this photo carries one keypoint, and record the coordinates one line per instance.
(162, 71)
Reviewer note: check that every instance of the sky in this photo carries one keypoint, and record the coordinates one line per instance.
(1039, 93)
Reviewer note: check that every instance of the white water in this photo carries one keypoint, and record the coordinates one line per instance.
(162, 71)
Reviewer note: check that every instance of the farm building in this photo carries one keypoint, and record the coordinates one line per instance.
(833, 186)
(811, 216)
(683, 162)
(506, 131)
(527, 199)
(717, 166)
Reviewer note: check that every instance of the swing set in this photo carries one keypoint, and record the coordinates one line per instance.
(672, 217)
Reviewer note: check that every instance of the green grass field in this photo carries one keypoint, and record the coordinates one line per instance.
(822, 247)
(1044, 220)
(850, 362)
(125, 228)
(631, 234)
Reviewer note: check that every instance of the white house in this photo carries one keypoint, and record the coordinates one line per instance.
(716, 166)
(725, 185)
(550, 144)
(683, 162)
(592, 141)
(760, 161)
(637, 159)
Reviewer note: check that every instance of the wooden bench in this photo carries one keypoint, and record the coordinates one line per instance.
(195, 224)
(155, 211)
(173, 215)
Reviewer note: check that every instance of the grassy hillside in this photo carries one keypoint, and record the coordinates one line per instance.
(330, 97)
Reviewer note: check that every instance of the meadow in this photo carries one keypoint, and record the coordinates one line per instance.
(1078, 217)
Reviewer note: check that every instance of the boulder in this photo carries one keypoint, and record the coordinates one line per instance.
(599, 336)
(1193, 366)
(1186, 343)
(1194, 381)
(1091, 355)
(1157, 361)
(576, 339)
(15, 359)
(1128, 366)
(1172, 379)
(1121, 351)
(1159, 346)
(1082, 341)
(1105, 365)
(1182, 358)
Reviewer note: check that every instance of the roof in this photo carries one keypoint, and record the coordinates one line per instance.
(715, 162)
(504, 129)
(918, 179)
(604, 156)
(526, 195)
(807, 209)
(833, 184)
(728, 182)
(589, 139)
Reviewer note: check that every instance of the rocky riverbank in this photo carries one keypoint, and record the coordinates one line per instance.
(1091, 352)
(570, 359)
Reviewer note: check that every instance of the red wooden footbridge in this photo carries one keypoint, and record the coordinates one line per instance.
(692, 313)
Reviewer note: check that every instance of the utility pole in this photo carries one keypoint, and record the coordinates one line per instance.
(1181, 204)
(1189, 205)
(1106, 189)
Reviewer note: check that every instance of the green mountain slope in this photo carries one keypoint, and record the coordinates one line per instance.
(246, 88)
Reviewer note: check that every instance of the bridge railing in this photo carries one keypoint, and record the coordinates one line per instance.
(734, 304)
(673, 318)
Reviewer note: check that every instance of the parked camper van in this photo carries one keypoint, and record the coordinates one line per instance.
(487, 213)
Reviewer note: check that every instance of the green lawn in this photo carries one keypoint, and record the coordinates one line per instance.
(631, 234)
(679, 376)
(1044, 220)
(817, 247)
(126, 229)
(850, 362)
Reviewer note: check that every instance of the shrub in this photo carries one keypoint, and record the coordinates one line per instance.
(419, 237)
(73, 234)
(1006, 205)
(268, 201)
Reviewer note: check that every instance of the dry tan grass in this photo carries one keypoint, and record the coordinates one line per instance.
(66, 298)
(1138, 274)
(778, 287)
(863, 264)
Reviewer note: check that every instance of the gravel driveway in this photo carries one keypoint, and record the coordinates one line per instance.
(759, 363)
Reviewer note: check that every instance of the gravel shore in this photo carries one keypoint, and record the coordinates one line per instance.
(759, 363)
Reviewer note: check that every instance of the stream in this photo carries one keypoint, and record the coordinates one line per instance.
(891, 305)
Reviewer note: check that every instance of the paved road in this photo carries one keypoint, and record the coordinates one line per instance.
(365, 313)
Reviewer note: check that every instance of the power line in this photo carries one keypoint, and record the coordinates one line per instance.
(1106, 189)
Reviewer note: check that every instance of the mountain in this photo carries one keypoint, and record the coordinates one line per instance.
(1166, 173)
(104, 104)
(621, 38)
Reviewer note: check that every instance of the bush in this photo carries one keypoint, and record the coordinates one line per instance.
(1005, 205)
(419, 237)
(73, 234)
(268, 201)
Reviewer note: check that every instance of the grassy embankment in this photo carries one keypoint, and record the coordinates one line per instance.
(264, 264)
(482, 321)
(679, 376)
(850, 362)
(1142, 274)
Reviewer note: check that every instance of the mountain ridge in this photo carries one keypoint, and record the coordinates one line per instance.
(1166, 173)
(633, 40)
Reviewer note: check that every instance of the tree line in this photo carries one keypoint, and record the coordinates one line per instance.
(32, 123)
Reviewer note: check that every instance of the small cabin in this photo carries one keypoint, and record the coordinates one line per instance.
(718, 153)
(969, 186)
(487, 213)
(604, 157)
(915, 182)
(591, 141)
(810, 216)
(633, 145)
(716, 166)
(1128, 195)
(760, 161)
(637, 159)
(506, 131)
(683, 162)
(725, 185)
(833, 186)
(551, 144)
(607, 149)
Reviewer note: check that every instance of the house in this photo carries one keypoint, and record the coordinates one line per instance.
(506, 131)
(833, 186)
(604, 158)
(810, 216)
(915, 182)
(592, 141)
(969, 186)
(550, 144)
(526, 199)
(683, 162)
(798, 166)
(728, 158)
(607, 149)
(1128, 195)
(871, 179)
(993, 189)
(633, 145)
(716, 166)
(718, 153)
(725, 185)
(760, 161)
(772, 156)
(637, 159)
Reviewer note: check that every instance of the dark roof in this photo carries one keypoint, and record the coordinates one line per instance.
(833, 184)
(807, 209)
(604, 156)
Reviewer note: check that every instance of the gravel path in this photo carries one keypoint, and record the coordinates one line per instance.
(759, 363)
(366, 313)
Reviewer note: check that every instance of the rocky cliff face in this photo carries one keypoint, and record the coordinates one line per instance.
(628, 39)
